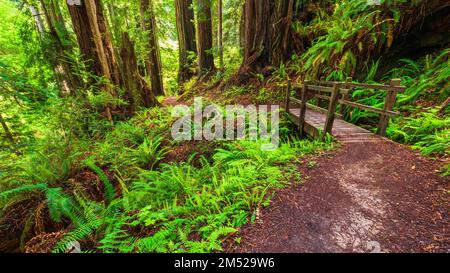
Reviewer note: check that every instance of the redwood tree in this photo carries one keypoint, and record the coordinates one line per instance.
(80, 24)
(186, 38)
(267, 29)
(154, 56)
(220, 31)
(204, 32)
(133, 82)
(67, 80)
(94, 39)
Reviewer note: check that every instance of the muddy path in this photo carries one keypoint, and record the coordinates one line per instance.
(376, 196)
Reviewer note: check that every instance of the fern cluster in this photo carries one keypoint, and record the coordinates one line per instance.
(188, 209)
(345, 40)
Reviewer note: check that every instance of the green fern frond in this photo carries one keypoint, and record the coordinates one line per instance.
(110, 192)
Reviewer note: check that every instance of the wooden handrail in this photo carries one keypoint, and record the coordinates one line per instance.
(343, 89)
(313, 107)
(369, 108)
(324, 89)
(397, 88)
(389, 104)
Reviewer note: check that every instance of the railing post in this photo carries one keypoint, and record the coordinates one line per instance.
(346, 96)
(389, 104)
(332, 109)
(321, 102)
(302, 115)
(288, 95)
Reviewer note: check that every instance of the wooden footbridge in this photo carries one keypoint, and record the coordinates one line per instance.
(332, 104)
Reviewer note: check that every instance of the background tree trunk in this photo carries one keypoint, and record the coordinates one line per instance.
(220, 32)
(102, 40)
(94, 40)
(186, 38)
(37, 19)
(267, 29)
(67, 80)
(204, 32)
(133, 82)
(80, 23)
(242, 30)
(154, 58)
(130, 73)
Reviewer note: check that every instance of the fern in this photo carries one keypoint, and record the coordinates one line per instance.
(110, 192)
(150, 152)
(59, 203)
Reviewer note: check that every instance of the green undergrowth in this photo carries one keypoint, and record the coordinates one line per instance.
(116, 192)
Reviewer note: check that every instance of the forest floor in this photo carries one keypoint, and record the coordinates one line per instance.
(375, 196)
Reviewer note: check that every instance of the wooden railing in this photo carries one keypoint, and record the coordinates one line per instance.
(335, 93)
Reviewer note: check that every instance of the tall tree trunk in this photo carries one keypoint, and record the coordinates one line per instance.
(220, 32)
(287, 29)
(204, 32)
(242, 29)
(186, 38)
(60, 24)
(55, 13)
(102, 41)
(133, 82)
(257, 33)
(130, 73)
(80, 23)
(58, 14)
(267, 22)
(115, 22)
(67, 80)
(154, 58)
(94, 39)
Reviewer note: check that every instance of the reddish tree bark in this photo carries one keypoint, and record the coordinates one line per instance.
(267, 25)
(186, 38)
(204, 32)
(133, 82)
(154, 57)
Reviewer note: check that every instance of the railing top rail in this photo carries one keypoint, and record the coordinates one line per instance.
(398, 88)
(395, 85)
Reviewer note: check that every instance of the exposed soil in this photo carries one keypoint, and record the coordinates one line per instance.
(375, 196)
(172, 101)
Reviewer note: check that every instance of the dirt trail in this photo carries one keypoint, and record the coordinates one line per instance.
(376, 196)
